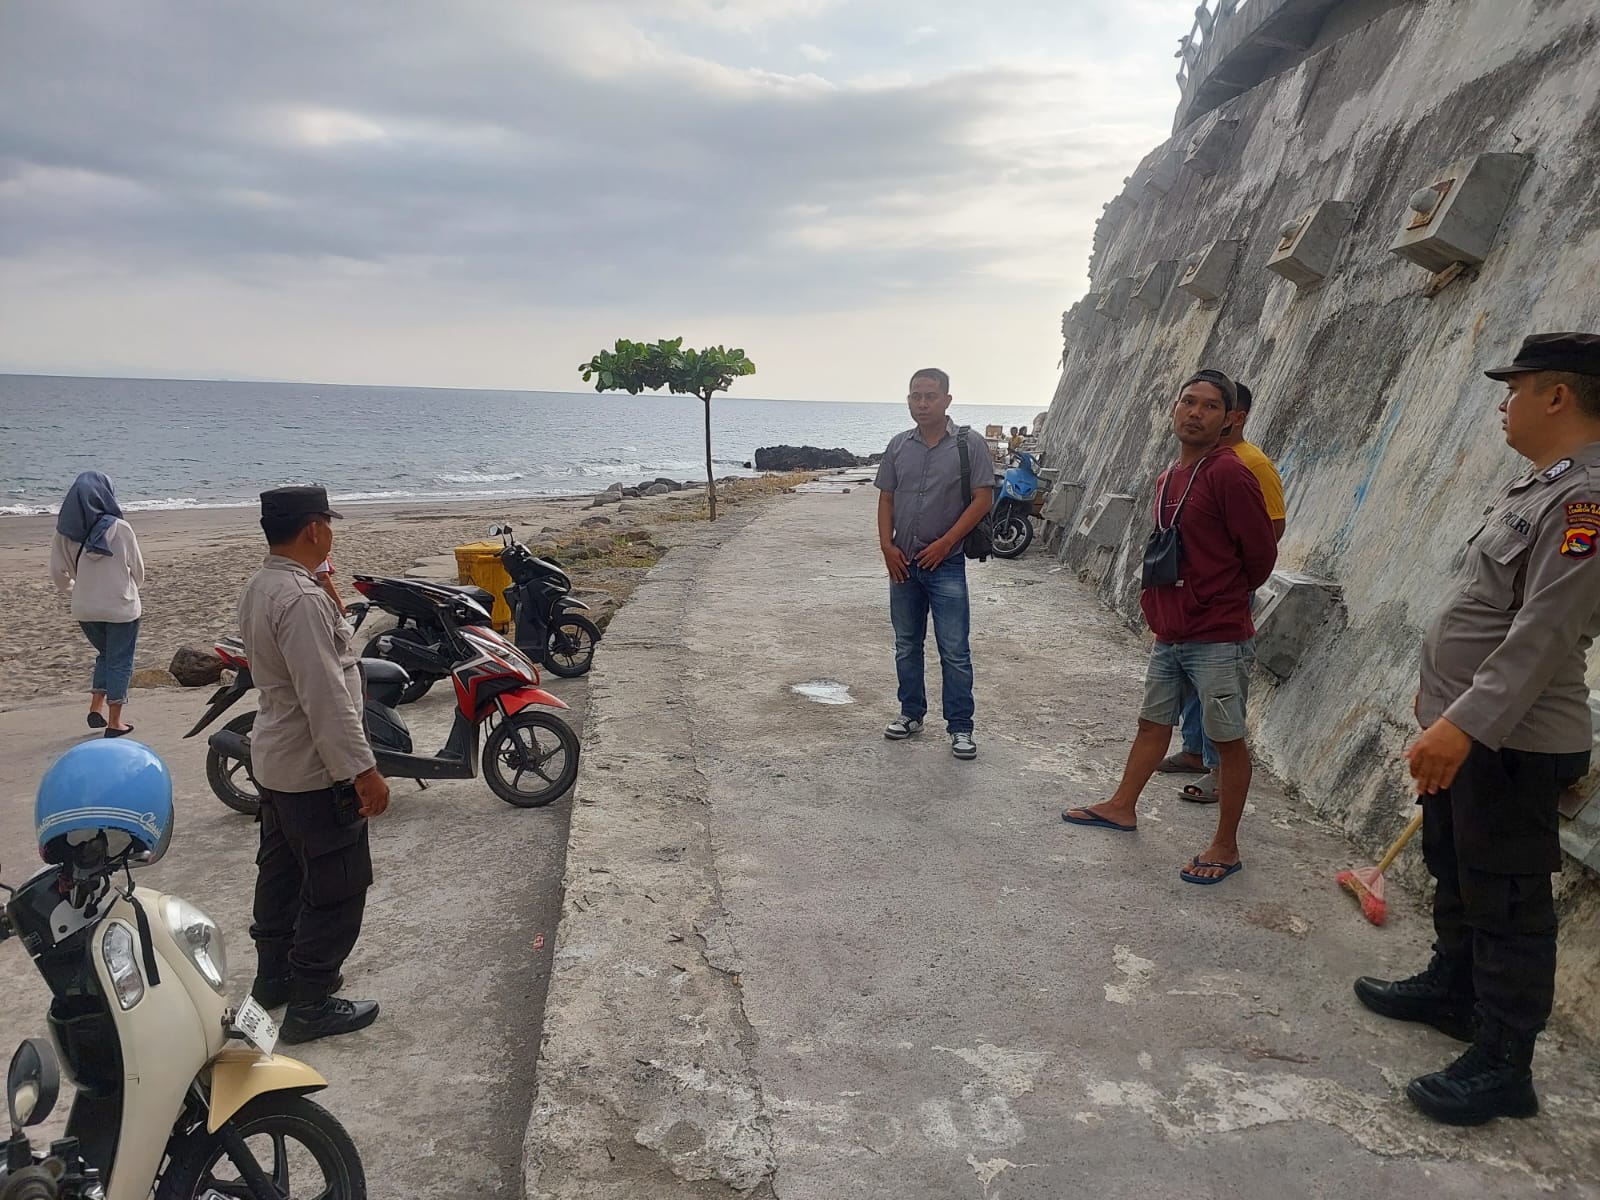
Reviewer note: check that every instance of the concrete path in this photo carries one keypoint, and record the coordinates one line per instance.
(437, 1093)
(799, 961)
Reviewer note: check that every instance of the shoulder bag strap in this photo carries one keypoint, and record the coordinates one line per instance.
(1161, 501)
(966, 465)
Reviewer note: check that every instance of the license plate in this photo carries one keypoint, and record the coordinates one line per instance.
(258, 1028)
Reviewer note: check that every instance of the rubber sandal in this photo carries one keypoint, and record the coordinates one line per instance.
(1095, 821)
(1227, 869)
(97, 721)
(1204, 792)
(1176, 764)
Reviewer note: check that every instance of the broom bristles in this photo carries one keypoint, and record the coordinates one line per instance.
(1366, 885)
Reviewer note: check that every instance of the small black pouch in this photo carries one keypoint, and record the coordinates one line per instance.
(346, 804)
(1163, 551)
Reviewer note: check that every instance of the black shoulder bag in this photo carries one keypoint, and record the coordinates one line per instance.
(980, 541)
(1163, 552)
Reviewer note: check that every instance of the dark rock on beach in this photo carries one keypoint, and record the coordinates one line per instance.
(808, 458)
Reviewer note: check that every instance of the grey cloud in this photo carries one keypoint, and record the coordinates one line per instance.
(511, 160)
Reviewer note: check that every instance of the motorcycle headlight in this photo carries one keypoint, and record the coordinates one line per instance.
(117, 948)
(199, 938)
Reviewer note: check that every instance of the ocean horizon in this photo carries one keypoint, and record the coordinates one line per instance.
(192, 443)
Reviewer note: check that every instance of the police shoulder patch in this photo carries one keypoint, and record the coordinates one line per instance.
(1553, 473)
(1583, 529)
(1583, 510)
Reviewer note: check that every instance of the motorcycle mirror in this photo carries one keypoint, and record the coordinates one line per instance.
(494, 531)
(32, 1083)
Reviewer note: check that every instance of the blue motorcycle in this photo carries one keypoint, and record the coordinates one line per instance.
(1012, 516)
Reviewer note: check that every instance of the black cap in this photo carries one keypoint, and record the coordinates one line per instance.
(296, 502)
(1578, 353)
(1223, 384)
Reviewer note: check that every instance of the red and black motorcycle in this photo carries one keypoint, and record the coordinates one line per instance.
(530, 757)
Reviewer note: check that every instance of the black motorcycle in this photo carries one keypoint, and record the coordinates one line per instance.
(542, 606)
(547, 629)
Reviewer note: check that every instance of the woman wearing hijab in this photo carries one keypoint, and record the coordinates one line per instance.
(95, 559)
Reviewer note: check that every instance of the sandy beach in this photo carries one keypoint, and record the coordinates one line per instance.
(197, 561)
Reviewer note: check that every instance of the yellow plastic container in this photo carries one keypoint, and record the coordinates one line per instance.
(479, 563)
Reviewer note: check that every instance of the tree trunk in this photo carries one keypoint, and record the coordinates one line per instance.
(711, 480)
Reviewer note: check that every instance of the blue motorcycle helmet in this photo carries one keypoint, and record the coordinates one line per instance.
(115, 787)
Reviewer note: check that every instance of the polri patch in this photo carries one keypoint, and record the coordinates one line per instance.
(1583, 511)
(1518, 522)
(1557, 471)
(1579, 542)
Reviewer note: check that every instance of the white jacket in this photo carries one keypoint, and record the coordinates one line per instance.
(102, 589)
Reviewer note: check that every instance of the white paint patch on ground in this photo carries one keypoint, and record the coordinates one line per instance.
(1136, 973)
(824, 691)
(991, 1169)
(1214, 1101)
(983, 1114)
(1011, 1071)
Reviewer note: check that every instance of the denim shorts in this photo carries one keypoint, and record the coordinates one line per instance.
(1218, 671)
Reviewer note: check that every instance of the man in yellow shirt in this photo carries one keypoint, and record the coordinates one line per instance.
(1199, 756)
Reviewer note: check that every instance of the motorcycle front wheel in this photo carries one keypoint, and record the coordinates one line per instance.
(230, 778)
(1012, 534)
(570, 652)
(531, 759)
(298, 1146)
(417, 686)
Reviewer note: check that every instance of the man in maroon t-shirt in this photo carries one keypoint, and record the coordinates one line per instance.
(1202, 621)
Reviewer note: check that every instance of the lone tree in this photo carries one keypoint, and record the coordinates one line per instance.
(635, 367)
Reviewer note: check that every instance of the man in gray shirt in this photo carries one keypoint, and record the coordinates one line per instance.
(923, 521)
(318, 779)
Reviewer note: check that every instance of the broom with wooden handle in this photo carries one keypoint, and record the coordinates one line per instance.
(1366, 883)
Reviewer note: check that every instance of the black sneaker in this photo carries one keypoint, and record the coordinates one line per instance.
(1492, 1079)
(274, 993)
(306, 1021)
(1430, 998)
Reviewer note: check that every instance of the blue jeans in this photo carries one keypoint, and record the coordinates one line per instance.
(113, 663)
(943, 592)
(1195, 740)
(1218, 671)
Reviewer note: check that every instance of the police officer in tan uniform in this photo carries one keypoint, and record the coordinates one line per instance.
(1505, 713)
(316, 773)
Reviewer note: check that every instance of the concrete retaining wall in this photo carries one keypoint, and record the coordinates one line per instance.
(1369, 393)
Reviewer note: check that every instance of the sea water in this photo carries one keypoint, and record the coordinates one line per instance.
(169, 443)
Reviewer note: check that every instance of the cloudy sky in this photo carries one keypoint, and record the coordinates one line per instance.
(481, 193)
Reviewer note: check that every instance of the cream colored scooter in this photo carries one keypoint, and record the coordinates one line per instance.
(177, 1090)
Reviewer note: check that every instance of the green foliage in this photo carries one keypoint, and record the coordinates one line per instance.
(635, 367)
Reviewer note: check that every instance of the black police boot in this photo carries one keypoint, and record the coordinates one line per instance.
(1440, 996)
(308, 1020)
(1492, 1079)
(274, 992)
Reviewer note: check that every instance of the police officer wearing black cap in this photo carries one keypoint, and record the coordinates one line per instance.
(315, 771)
(1505, 713)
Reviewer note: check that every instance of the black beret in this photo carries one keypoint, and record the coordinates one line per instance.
(296, 502)
(1577, 353)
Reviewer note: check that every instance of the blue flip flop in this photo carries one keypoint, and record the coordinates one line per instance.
(1096, 821)
(1227, 869)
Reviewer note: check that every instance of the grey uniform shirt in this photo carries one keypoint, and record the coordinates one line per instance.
(1505, 660)
(926, 483)
(309, 732)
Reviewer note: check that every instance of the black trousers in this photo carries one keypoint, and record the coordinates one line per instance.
(1490, 842)
(311, 890)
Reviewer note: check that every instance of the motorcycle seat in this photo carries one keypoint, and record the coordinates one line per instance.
(378, 672)
(472, 592)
